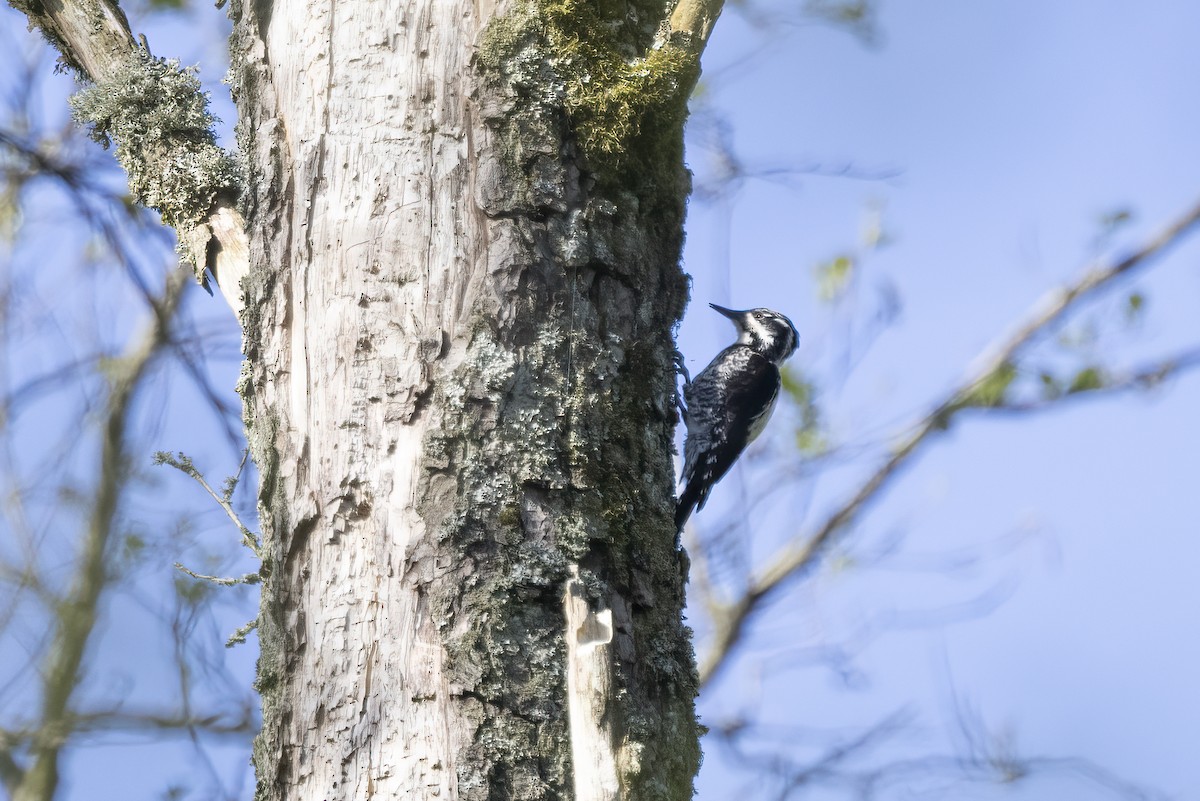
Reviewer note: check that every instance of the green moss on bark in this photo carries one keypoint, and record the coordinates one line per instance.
(559, 456)
(613, 90)
(624, 93)
(589, 112)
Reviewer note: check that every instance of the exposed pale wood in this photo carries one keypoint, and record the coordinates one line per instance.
(695, 19)
(589, 636)
(222, 245)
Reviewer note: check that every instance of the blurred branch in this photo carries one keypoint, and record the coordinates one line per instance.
(1000, 768)
(769, 752)
(42, 162)
(990, 757)
(838, 754)
(10, 772)
(77, 612)
(1144, 377)
(88, 196)
(43, 157)
(158, 722)
(222, 725)
(984, 387)
(724, 171)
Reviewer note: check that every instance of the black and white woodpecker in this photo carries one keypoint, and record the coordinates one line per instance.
(729, 403)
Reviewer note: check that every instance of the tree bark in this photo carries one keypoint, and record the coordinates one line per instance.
(465, 227)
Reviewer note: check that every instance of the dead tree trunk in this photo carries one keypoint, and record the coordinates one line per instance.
(465, 225)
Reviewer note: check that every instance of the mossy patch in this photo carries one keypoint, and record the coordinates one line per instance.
(612, 93)
(614, 82)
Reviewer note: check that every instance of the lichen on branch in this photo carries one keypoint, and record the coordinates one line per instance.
(157, 114)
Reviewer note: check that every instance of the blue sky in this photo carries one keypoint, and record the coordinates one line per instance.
(988, 138)
(1011, 128)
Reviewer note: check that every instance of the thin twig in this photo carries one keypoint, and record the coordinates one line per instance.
(224, 581)
(184, 465)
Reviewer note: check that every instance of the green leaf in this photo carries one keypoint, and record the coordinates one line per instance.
(811, 442)
(810, 434)
(833, 277)
(799, 389)
(1135, 305)
(1087, 380)
(992, 388)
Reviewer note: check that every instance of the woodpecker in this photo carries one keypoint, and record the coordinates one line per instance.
(728, 404)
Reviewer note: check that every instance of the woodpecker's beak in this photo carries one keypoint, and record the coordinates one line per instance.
(730, 313)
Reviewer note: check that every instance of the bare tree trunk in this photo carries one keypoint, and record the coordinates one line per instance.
(464, 278)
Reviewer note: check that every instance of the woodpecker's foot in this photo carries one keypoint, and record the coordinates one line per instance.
(681, 368)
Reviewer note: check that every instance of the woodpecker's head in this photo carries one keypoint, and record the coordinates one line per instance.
(767, 332)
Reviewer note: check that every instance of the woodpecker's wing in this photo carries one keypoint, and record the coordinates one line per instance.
(727, 407)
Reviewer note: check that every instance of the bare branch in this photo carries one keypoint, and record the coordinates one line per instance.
(10, 772)
(184, 465)
(983, 386)
(224, 581)
(77, 613)
(1145, 377)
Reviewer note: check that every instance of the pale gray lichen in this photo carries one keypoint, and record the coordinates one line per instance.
(157, 114)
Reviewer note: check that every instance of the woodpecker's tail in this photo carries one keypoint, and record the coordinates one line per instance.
(688, 501)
